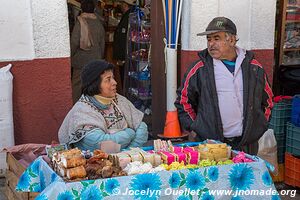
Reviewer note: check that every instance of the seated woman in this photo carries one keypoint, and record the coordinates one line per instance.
(101, 114)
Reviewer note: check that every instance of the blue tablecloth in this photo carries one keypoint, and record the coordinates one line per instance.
(208, 183)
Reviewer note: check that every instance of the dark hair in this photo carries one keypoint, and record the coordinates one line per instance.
(91, 76)
(87, 6)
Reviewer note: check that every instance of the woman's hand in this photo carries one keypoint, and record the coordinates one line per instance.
(91, 140)
(141, 136)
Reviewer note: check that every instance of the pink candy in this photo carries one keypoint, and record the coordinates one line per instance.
(176, 149)
(241, 158)
(180, 157)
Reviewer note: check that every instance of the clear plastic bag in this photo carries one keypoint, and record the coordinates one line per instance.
(267, 149)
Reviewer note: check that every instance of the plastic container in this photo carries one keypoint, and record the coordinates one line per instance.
(293, 139)
(292, 170)
(280, 139)
(296, 110)
(281, 114)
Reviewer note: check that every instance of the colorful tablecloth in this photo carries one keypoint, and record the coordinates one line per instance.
(235, 181)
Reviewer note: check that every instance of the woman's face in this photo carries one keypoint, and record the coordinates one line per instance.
(108, 85)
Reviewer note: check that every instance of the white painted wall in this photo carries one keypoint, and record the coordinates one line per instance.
(50, 28)
(16, 38)
(33, 29)
(255, 21)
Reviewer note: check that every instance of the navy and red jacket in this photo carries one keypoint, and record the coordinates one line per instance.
(197, 100)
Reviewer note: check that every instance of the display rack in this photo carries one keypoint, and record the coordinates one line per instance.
(289, 47)
(138, 66)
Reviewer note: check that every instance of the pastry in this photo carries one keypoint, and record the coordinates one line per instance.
(107, 171)
(76, 172)
(73, 162)
(70, 153)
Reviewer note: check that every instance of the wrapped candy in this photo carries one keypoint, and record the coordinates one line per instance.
(190, 166)
(174, 166)
(207, 163)
(167, 157)
(193, 156)
(180, 157)
(176, 149)
(241, 158)
(226, 162)
(188, 149)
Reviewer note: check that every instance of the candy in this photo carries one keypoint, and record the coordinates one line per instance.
(207, 163)
(241, 158)
(226, 162)
(167, 157)
(176, 149)
(180, 157)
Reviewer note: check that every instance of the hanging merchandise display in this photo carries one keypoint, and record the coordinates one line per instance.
(6, 113)
(138, 65)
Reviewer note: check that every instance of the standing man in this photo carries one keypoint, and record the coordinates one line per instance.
(120, 35)
(225, 95)
(87, 43)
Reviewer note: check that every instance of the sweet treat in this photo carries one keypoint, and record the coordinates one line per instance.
(61, 171)
(120, 159)
(215, 152)
(226, 162)
(70, 153)
(193, 157)
(178, 166)
(207, 163)
(181, 157)
(73, 162)
(76, 172)
(167, 157)
(162, 145)
(176, 149)
(138, 167)
(147, 157)
(107, 171)
(100, 154)
(135, 156)
(241, 158)
(188, 149)
(157, 159)
(206, 155)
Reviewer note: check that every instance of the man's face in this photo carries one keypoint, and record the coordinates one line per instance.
(124, 7)
(219, 45)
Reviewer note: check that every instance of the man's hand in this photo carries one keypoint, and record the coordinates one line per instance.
(192, 136)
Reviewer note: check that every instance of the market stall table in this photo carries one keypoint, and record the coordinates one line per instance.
(234, 181)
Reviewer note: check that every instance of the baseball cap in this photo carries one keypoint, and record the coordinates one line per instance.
(219, 24)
